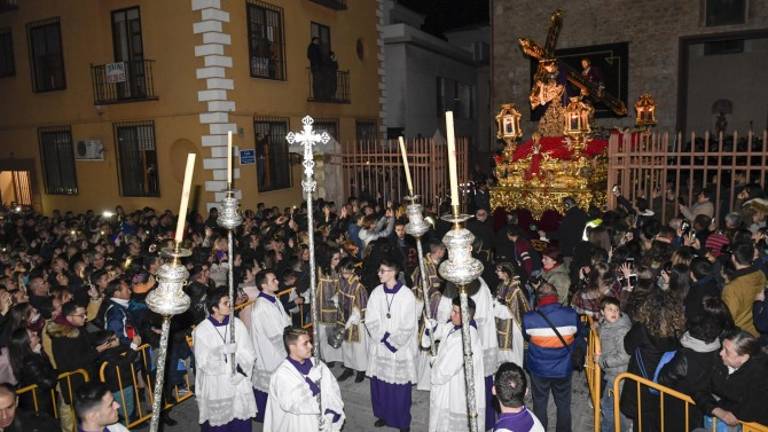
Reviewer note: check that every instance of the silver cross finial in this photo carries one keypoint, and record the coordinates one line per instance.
(308, 138)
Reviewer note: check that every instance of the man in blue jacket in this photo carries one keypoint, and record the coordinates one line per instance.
(549, 356)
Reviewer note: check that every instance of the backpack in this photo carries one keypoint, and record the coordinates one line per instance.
(665, 358)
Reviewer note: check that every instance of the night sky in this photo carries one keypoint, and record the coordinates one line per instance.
(444, 15)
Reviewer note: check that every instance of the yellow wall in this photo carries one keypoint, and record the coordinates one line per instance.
(168, 39)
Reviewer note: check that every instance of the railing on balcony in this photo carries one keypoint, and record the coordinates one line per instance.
(123, 82)
(333, 4)
(7, 5)
(328, 86)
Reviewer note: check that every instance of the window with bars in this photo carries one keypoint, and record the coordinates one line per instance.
(273, 167)
(327, 125)
(58, 160)
(265, 40)
(137, 158)
(46, 56)
(7, 64)
(366, 130)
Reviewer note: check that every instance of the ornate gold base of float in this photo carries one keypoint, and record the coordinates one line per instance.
(522, 186)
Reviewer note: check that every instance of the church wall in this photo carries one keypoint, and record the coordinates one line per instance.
(740, 78)
(653, 29)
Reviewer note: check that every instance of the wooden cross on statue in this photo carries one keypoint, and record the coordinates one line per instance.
(548, 66)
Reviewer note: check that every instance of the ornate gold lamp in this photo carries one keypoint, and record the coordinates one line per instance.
(645, 111)
(577, 128)
(508, 127)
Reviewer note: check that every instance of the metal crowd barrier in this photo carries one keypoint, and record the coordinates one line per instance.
(592, 370)
(664, 392)
(64, 385)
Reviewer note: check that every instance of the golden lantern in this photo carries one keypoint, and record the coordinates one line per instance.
(576, 126)
(508, 127)
(508, 123)
(645, 111)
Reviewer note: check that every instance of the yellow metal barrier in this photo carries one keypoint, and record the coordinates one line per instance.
(592, 369)
(64, 385)
(664, 392)
(143, 395)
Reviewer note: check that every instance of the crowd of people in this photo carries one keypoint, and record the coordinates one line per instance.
(680, 303)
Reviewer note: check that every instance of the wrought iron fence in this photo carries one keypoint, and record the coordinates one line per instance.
(123, 82)
(333, 4)
(664, 168)
(328, 86)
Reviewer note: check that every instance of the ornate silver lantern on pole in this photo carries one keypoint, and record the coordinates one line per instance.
(169, 299)
(417, 227)
(229, 219)
(307, 138)
(461, 269)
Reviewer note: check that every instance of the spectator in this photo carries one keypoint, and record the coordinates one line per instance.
(703, 206)
(745, 284)
(659, 321)
(612, 358)
(315, 57)
(117, 317)
(31, 367)
(555, 272)
(118, 371)
(760, 316)
(737, 385)
(601, 282)
(703, 285)
(12, 419)
(549, 354)
(571, 227)
(97, 409)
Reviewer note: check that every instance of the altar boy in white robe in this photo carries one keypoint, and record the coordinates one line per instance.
(225, 401)
(391, 321)
(295, 387)
(268, 321)
(448, 396)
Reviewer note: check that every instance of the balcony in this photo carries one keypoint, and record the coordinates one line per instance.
(123, 82)
(325, 87)
(9, 5)
(333, 4)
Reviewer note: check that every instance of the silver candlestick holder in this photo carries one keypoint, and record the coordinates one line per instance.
(167, 300)
(417, 227)
(461, 269)
(229, 219)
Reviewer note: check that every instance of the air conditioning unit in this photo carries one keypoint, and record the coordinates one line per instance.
(90, 149)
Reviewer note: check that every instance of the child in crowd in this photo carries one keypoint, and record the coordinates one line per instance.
(612, 358)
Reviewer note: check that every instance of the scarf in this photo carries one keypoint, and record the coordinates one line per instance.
(268, 297)
(394, 289)
(304, 368)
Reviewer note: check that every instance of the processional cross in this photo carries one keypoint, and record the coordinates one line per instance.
(548, 68)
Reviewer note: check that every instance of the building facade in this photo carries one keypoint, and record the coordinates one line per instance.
(426, 75)
(666, 43)
(102, 100)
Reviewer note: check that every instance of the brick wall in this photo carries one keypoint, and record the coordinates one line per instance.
(653, 29)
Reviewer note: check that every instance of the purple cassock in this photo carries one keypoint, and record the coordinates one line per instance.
(391, 403)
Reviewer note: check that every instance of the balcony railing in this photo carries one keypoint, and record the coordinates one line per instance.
(8, 5)
(333, 4)
(328, 86)
(123, 82)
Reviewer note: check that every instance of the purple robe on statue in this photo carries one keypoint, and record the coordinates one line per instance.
(391, 403)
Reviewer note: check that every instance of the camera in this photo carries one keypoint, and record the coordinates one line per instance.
(685, 226)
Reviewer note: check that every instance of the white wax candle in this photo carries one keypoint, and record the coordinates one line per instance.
(405, 165)
(229, 159)
(452, 172)
(185, 190)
